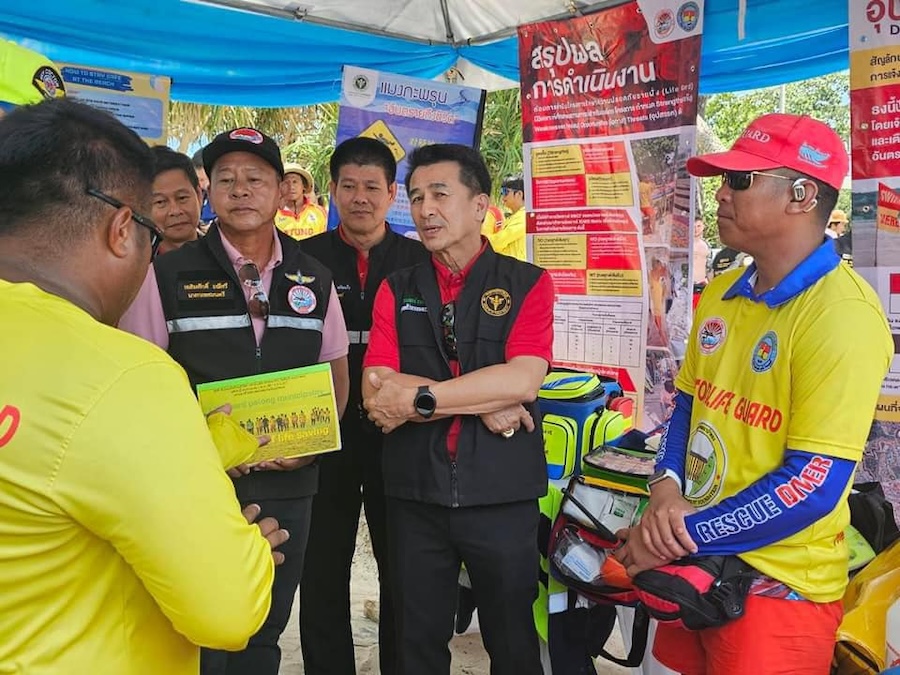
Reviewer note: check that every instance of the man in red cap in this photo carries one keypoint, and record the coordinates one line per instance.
(773, 405)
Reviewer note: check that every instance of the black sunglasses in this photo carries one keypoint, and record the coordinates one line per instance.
(742, 180)
(448, 323)
(156, 237)
(258, 304)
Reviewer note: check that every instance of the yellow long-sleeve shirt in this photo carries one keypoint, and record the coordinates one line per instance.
(122, 545)
(510, 240)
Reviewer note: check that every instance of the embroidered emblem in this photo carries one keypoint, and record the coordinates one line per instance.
(712, 334)
(47, 81)
(706, 465)
(764, 353)
(246, 134)
(301, 299)
(299, 278)
(496, 302)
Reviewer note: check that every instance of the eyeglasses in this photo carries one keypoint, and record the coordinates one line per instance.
(156, 237)
(742, 180)
(448, 323)
(258, 304)
(504, 191)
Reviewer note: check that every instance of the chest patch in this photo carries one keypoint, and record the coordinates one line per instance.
(712, 334)
(412, 303)
(496, 302)
(301, 299)
(205, 289)
(764, 353)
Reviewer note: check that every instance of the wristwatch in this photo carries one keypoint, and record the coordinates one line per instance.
(425, 402)
(660, 476)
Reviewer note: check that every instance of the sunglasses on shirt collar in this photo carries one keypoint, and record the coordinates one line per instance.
(258, 304)
(448, 324)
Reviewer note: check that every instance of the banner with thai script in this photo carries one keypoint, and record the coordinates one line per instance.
(609, 105)
(405, 113)
(140, 102)
(875, 229)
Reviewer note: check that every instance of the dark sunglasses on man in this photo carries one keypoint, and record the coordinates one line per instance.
(156, 237)
(742, 180)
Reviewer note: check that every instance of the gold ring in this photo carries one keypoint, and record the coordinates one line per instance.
(507, 433)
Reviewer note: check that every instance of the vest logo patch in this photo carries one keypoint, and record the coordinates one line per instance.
(301, 299)
(299, 278)
(764, 353)
(212, 289)
(496, 302)
(411, 303)
(712, 334)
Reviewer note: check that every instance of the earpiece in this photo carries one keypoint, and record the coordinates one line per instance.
(811, 205)
(799, 190)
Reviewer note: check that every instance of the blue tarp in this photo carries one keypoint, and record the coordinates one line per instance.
(226, 57)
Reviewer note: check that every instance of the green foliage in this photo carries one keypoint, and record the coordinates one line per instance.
(192, 123)
(826, 98)
(314, 146)
(501, 137)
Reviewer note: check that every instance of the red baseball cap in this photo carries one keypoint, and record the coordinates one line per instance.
(777, 140)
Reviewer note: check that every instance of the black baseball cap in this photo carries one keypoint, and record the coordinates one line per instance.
(243, 139)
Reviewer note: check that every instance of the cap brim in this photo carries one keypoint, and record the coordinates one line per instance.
(715, 163)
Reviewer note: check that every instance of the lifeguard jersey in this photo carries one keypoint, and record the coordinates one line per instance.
(310, 221)
(783, 370)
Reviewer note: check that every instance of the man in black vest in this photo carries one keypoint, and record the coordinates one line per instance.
(268, 307)
(458, 350)
(360, 253)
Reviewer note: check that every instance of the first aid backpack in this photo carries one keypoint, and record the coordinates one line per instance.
(580, 411)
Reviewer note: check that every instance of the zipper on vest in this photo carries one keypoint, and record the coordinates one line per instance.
(454, 485)
(258, 360)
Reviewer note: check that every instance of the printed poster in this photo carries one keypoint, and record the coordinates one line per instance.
(875, 149)
(140, 102)
(405, 113)
(609, 105)
(295, 408)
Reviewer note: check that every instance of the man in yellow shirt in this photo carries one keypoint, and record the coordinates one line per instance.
(299, 217)
(510, 238)
(773, 406)
(122, 545)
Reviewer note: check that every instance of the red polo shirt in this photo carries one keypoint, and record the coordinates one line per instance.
(531, 333)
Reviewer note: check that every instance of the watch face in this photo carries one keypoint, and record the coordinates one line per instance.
(425, 403)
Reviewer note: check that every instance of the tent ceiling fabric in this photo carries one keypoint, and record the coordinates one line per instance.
(429, 21)
(290, 52)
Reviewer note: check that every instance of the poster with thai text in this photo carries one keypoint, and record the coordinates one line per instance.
(875, 228)
(140, 102)
(609, 105)
(405, 113)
